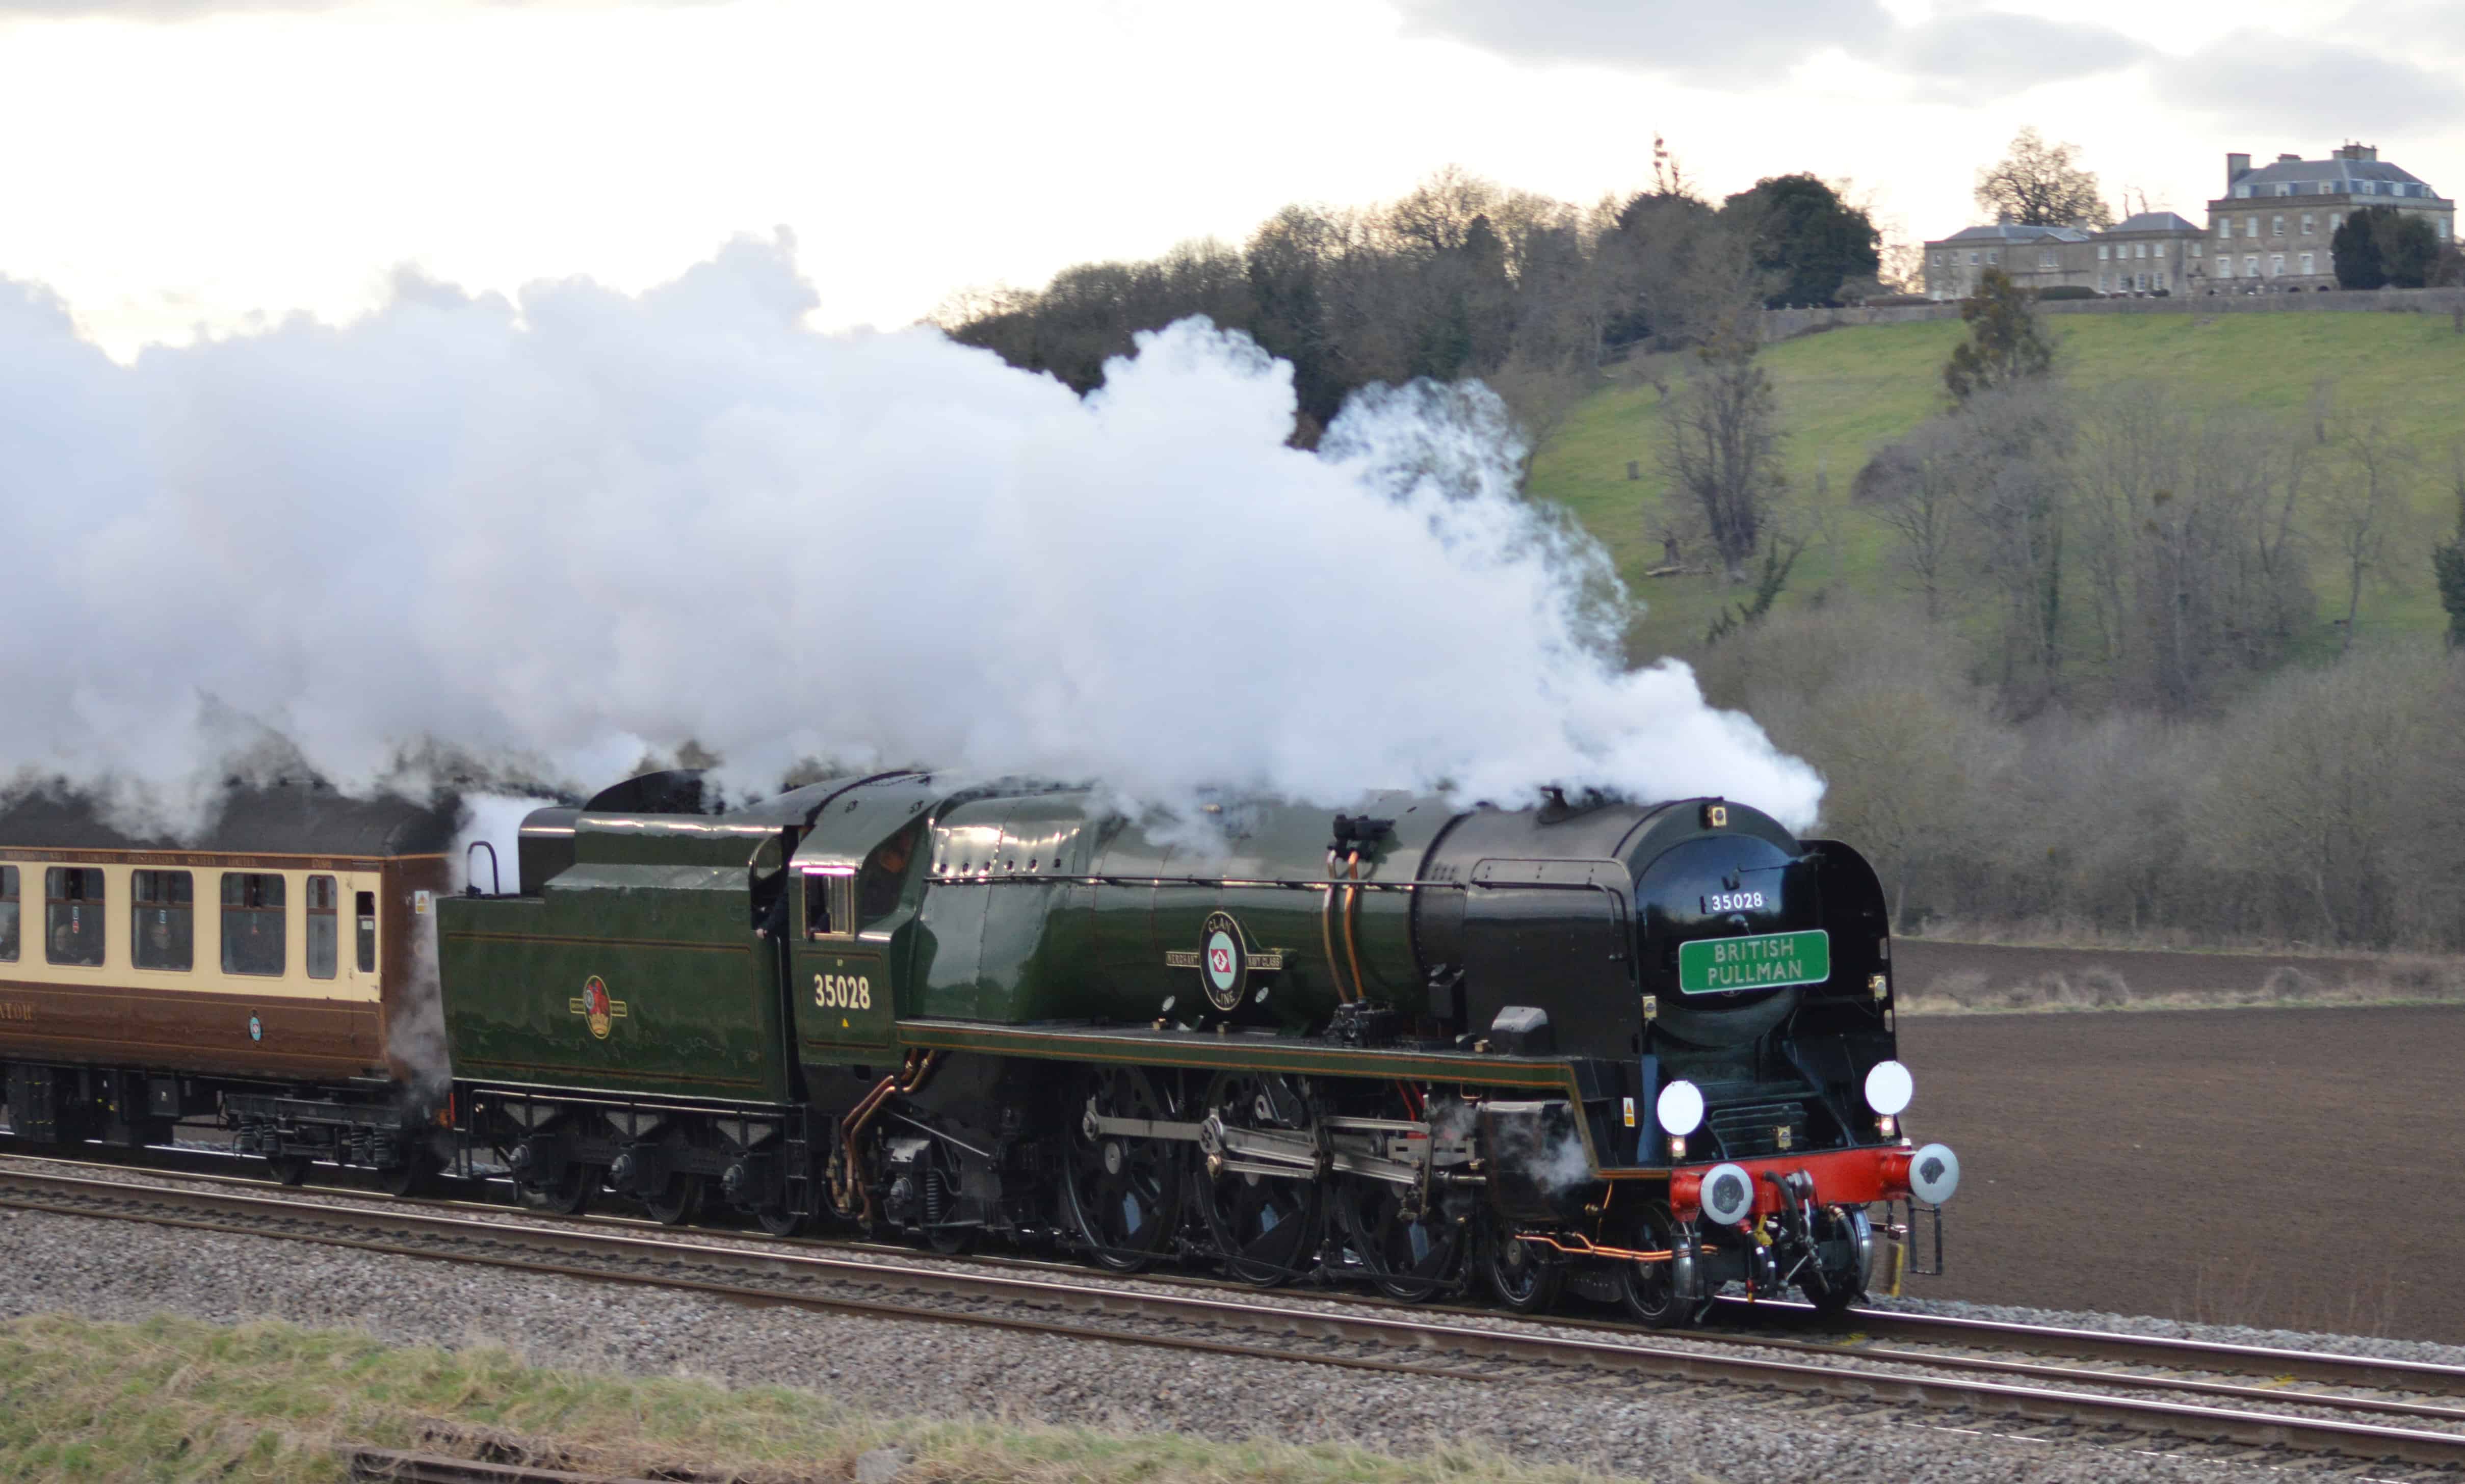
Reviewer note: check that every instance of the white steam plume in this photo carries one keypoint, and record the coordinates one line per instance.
(573, 527)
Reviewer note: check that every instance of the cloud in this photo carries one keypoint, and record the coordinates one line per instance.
(2263, 80)
(173, 12)
(152, 9)
(1959, 56)
(1733, 42)
(1982, 53)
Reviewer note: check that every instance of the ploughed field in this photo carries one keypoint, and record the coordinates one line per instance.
(2287, 1168)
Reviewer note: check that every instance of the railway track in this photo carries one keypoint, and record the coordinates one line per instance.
(2401, 1411)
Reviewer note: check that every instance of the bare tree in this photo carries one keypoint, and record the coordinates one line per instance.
(1914, 488)
(2041, 184)
(2302, 791)
(2365, 501)
(1720, 440)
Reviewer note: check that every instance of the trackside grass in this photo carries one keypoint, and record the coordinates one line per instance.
(1843, 392)
(178, 1399)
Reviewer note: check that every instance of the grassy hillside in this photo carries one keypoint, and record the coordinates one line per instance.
(1847, 390)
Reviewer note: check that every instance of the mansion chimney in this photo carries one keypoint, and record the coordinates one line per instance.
(2236, 168)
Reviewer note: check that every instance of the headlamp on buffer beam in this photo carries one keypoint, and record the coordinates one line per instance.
(1889, 1087)
(1680, 1110)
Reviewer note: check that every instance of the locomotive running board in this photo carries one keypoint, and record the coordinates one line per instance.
(1244, 1050)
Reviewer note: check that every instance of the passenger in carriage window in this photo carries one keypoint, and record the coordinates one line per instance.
(7, 914)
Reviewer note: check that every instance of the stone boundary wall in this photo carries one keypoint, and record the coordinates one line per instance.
(1779, 325)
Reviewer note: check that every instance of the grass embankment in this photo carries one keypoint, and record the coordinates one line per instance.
(1844, 391)
(178, 1399)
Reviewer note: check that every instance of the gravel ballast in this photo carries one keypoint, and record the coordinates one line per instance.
(1670, 1432)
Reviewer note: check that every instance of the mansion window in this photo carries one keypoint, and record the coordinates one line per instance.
(2306, 262)
(2276, 225)
(2276, 265)
(1994, 254)
(2306, 224)
(2100, 252)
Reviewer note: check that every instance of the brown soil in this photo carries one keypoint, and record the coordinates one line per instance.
(2282, 1167)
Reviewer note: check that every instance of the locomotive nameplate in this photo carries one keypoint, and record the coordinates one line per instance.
(1225, 961)
(1769, 960)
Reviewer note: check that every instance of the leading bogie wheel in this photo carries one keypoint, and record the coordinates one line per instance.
(1838, 1286)
(1119, 1192)
(1526, 1276)
(1650, 1290)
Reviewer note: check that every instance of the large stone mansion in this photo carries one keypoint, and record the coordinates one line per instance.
(2268, 233)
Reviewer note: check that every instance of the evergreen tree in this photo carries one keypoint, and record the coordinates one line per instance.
(1809, 240)
(2005, 345)
(2448, 568)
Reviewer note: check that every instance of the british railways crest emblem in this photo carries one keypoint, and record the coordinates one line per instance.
(595, 1007)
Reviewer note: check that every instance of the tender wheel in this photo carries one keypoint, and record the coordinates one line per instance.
(677, 1202)
(780, 1222)
(1836, 1285)
(567, 1195)
(1651, 1288)
(1520, 1274)
(1266, 1228)
(1408, 1258)
(1121, 1195)
(289, 1169)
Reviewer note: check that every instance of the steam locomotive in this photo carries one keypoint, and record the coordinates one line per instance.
(1644, 1051)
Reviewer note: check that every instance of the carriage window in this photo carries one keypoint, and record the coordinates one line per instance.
(251, 923)
(885, 874)
(368, 913)
(163, 920)
(7, 914)
(829, 906)
(324, 927)
(73, 915)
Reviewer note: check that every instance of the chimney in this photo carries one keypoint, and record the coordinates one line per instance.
(2289, 158)
(2002, 217)
(2350, 150)
(2236, 168)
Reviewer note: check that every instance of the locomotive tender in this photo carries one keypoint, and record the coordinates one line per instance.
(1641, 1050)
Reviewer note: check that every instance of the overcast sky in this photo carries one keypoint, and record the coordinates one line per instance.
(177, 163)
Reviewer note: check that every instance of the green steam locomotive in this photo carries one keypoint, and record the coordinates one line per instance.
(1643, 1050)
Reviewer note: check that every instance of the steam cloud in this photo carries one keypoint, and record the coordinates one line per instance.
(568, 529)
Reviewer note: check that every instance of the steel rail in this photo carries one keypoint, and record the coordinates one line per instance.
(2378, 1372)
(2372, 1372)
(330, 1224)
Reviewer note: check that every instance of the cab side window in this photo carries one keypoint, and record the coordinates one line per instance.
(884, 876)
(7, 914)
(253, 908)
(73, 916)
(163, 920)
(829, 905)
